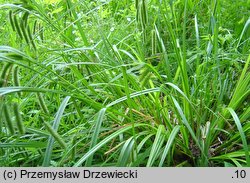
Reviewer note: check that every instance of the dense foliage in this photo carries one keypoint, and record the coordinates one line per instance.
(124, 83)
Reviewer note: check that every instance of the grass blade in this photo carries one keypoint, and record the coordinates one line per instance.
(98, 124)
(169, 144)
(103, 142)
(159, 139)
(47, 157)
(242, 134)
(125, 152)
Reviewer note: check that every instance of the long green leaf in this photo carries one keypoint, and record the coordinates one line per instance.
(169, 144)
(48, 152)
(103, 142)
(159, 139)
(98, 124)
(242, 134)
(31, 144)
(125, 152)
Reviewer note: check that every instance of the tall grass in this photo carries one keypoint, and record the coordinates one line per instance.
(124, 83)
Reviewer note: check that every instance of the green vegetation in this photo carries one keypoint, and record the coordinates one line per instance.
(125, 83)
